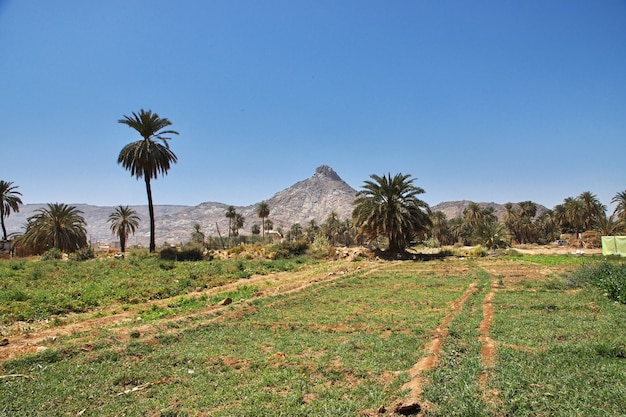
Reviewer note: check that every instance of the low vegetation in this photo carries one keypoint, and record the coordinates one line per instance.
(516, 335)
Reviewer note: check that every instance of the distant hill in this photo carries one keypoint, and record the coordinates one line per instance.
(313, 198)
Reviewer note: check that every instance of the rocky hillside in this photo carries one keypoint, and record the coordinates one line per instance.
(311, 199)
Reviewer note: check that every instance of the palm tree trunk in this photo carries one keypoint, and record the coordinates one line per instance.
(151, 213)
(4, 230)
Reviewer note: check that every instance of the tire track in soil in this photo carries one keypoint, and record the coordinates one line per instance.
(27, 343)
(431, 353)
(488, 350)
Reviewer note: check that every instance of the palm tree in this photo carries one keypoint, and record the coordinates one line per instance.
(238, 222)
(473, 214)
(574, 215)
(439, 228)
(620, 208)
(9, 201)
(147, 158)
(263, 210)
(124, 221)
(492, 234)
(56, 226)
(609, 226)
(592, 208)
(389, 207)
(197, 237)
(230, 215)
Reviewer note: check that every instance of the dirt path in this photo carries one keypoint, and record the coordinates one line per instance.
(431, 353)
(124, 322)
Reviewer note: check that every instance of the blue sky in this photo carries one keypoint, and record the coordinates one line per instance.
(483, 100)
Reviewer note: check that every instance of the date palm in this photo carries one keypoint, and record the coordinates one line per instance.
(55, 226)
(123, 222)
(148, 157)
(593, 210)
(389, 207)
(230, 215)
(620, 208)
(9, 202)
(263, 210)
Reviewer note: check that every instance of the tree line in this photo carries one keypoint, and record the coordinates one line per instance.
(387, 211)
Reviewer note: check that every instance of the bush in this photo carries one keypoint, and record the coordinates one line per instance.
(171, 254)
(51, 254)
(285, 250)
(83, 254)
(609, 277)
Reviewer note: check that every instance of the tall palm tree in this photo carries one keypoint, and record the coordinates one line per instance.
(230, 215)
(123, 221)
(593, 210)
(439, 228)
(473, 214)
(389, 207)
(263, 211)
(55, 226)
(9, 201)
(238, 223)
(147, 158)
(574, 215)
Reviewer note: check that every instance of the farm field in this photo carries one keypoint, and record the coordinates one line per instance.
(496, 336)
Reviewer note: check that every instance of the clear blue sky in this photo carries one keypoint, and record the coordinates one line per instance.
(479, 100)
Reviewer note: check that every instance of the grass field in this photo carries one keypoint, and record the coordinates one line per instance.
(460, 337)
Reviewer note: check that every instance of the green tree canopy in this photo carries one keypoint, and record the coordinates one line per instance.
(9, 201)
(55, 226)
(389, 207)
(123, 222)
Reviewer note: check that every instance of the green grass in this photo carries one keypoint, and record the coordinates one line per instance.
(339, 347)
(38, 290)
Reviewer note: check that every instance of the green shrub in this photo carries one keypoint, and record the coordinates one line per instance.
(52, 254)
(168, 254)
(171, 254)
(609, 277)
(83, 254)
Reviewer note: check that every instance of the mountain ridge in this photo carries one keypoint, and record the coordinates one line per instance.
(311, 199)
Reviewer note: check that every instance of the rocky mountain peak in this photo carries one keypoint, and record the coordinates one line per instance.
(328, 172)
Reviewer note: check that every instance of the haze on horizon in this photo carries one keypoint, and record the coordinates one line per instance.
(482, 101)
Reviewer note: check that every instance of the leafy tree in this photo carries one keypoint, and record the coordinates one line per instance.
(230, 215)
(256, 229)
(9, 201)
(147, 158)
(389, 207)
(123, 222)
(56, 226)
(263, 211)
